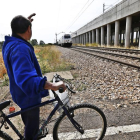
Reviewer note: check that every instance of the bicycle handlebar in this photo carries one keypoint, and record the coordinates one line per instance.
(61, 90)
(70, 90)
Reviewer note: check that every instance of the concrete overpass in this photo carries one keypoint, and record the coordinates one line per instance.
(118, 26)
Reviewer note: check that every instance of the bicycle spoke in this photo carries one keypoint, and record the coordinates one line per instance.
(89, 118)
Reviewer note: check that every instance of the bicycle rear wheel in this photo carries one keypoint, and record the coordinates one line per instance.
(91, 118)
(4, 136)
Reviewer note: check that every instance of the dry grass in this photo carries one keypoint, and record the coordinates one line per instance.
(97, 45)
(92, 45)
(50, 59)
(2, 67)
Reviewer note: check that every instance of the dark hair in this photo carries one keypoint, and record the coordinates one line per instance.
(20, 24)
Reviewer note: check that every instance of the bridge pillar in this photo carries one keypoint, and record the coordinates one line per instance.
(108, 34)
(97, 35)
(84, 38)
(136, 37)
(127, 31)
(117, 29)
(139, 40)
(93, 36)
(102, 36)
(132, 35)
(89, 37)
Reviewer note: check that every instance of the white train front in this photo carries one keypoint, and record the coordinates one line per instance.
(65, 41)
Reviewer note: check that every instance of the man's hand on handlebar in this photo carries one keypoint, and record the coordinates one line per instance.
(58, 85)
(55, 86)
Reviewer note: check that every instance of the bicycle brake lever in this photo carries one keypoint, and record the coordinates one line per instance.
(70, 90)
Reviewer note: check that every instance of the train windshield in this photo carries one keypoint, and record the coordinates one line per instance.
(66, 36)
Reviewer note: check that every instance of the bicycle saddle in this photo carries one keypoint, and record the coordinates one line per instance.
(4, 104)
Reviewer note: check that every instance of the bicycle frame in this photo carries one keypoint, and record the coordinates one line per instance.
(60, 103)
(6, 117)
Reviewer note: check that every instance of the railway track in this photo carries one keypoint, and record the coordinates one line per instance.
(131, 51)
(112, 56)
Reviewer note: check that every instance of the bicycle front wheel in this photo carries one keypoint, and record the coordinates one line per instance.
(91, 118)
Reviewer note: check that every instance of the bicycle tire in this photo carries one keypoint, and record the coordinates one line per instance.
(4, 136)
(64, 129)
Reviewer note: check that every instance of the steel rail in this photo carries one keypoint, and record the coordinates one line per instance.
(115, 49)
(114, 60)
(98, 51)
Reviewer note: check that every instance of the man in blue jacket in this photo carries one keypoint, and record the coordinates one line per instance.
(27, 86)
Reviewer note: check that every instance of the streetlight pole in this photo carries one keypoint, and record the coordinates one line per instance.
(57, 34)
(56, 37)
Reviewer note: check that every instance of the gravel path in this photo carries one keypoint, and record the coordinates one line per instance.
(112, 87)
(102, 80)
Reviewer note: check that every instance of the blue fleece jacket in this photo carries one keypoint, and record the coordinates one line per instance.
(26, 81)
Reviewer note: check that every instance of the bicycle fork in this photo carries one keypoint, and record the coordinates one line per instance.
(70, 115)
(76, 124)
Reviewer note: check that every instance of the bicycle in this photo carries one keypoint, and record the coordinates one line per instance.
(81, 121)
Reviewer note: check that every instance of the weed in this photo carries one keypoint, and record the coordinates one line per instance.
(82, 87)
(5, 81)
(50, 59)
(75, 75)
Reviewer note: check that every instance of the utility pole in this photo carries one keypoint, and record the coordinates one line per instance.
(103, 7)
(56, 37)
(58, 34)
(106, 8)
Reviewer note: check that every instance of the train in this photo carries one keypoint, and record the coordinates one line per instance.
(65, 41)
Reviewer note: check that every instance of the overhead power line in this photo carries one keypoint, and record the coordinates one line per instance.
(80, 11)
(58, 15)
(79, 15)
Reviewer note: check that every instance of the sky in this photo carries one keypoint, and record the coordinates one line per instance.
(52, 16)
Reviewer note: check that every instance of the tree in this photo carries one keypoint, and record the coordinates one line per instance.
(1, 43)
(34, 42)
(42, 42)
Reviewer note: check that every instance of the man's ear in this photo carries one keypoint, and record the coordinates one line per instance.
(29, 28)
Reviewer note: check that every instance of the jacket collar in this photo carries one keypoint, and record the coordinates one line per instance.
(18, 38)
